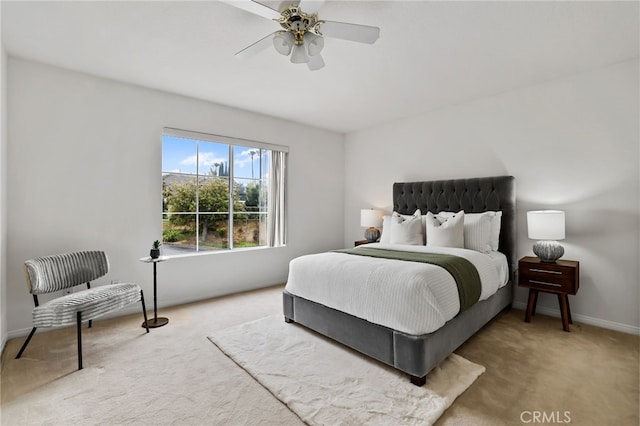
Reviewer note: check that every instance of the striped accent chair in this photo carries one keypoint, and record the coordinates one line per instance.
(54, 273)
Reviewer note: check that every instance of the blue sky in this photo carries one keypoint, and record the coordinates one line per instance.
(182, 155)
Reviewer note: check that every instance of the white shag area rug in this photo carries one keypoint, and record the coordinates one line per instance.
(325, 383)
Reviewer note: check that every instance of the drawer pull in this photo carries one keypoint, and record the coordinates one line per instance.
(545, 283)
(545, 271)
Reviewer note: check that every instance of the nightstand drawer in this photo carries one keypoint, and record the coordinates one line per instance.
(548, 284)
(552, 277)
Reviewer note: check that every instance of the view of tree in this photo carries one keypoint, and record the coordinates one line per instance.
(213, 194)
(219, 169)
(200, 211)
(253, 195)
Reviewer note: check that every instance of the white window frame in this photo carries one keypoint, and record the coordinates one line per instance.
(233, 142)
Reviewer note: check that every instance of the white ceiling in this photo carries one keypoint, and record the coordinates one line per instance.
(430, 54)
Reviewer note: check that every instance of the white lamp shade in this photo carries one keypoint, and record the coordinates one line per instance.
(370, 218)
(299, 54)
(545, 225)
(314, 43)
(283, 42)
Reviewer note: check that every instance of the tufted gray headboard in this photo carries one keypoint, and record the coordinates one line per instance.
(473, 195)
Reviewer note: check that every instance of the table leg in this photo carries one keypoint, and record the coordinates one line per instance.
(535, 303)
(531, 304)
(156, 322)
(564, 307)
(155, 298)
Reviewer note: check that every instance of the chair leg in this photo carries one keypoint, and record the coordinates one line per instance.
(26, 342)
(144, 311)
(79, 327)
(90, 321)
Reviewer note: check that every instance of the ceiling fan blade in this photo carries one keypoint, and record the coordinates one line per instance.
(310, 7)
(315, 62)
(352, 32)
(254, 7)
(256, 47)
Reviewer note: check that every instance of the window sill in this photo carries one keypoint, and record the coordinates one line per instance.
(218, 252)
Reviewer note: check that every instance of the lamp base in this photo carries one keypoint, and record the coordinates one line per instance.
(548, 251)
(372, 234)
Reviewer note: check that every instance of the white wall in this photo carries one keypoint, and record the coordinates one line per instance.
(3, 198)
(84, 158)
(572, 144)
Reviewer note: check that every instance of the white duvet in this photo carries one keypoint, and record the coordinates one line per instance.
(412, 297)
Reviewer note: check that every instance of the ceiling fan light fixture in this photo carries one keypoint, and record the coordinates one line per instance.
(315, 62)
(299, 55)
(302, 34)
(283, 42)
(314, 43)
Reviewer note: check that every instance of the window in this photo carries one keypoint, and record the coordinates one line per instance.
(221, 193)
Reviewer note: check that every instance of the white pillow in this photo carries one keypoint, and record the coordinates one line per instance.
(496, 224)
(385, 236)
(406, 229)
(477, 232)
(481, 230)
(445, 231)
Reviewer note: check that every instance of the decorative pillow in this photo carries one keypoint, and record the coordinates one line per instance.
(496, 224)
(385, 236)
(445, 231)
(406, 229)
(477, 232)
(481, 230)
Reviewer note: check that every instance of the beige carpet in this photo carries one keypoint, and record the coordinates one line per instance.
(325, 383)
(171, 376)
(174, 375)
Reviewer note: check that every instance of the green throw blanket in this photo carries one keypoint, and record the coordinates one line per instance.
(464, 273)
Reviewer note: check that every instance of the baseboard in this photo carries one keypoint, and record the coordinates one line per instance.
(611, 325)
(23, 332)
(3, 345)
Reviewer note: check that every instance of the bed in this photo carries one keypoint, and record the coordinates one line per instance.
(409, 348)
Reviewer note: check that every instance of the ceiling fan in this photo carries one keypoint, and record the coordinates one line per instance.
(302, 34)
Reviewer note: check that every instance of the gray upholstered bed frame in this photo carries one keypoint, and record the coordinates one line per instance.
(417, 355)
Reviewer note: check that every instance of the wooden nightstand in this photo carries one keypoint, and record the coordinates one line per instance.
(561, 278)
(360, 242)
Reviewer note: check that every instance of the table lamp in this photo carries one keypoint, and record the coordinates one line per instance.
(546, 226)
(371, 219)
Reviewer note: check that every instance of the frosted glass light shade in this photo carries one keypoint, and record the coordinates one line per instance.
(299, 55)
(283, 42)
(314, 43)
(315, 62)
(545, 225)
